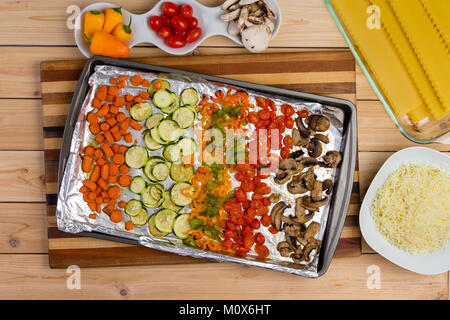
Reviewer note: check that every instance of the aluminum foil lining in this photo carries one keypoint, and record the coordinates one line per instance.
(73, 213)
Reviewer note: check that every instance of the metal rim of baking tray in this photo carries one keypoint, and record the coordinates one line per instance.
(344, 176)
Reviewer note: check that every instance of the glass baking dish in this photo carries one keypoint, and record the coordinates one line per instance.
(427, 131)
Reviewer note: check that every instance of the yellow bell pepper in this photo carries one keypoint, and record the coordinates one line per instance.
(123, 32)
(113, 17)
(93, 22)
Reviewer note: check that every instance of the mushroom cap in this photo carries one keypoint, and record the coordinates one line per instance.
(256, 38)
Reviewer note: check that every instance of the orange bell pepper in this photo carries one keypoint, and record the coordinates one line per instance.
(104, 44)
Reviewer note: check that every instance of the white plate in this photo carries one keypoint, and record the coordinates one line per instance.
(429, 263)
(208, 20)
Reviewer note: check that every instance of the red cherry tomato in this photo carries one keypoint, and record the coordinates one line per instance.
(259, 239)
(192, 22)
(287, 110)
(288, 141)
(255, 224)
(186, 11)
(155, 23)
(264, 114)
(303, 113)
(193, 34)
(180, 34)
(242, 251)
(253, 117)
(273, 230)
(227, 244)
(266, 220)
(178, 23)
(169, 8)
(262, 251)
(164, 32)
(285, 152)
(248, 242)
(289, 123)
(240, 195)
(165, 21)
(248, 186)
(229, 234)
(175, 42)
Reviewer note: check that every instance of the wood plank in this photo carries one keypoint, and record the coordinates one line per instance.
(346, 279)
(22, 176)
(364, 90)
(370, 163)
(23, 228)
(305, 23)
(376, 131)
(30, 135)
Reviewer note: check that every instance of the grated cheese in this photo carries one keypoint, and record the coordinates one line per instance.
(412, 208)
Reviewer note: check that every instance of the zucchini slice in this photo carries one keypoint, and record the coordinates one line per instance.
(181, 226)
(140, 219)
(136, 157)
(189, 96)
(152, 228)
(149, 166)
(162, 98)
(168, 204)
(155, 136)
(153, 120)
(164, 220)
(164, 85)
(138, 185)
(160, 171)
(168, 130)
(133, 207)
(180, 173)
(187, 146)
(172, 153)
(150, 143)
(184, 117)
(177, 195)
(141, 111)
(148, 200)
(174, 106)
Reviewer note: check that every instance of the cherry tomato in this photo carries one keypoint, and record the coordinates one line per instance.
(266, 220)
(303, 113)
(223, 223)
(255, 224)
(192, 22)
(248, 218)
(287, 110)
(262, 251)
(178, 33)
(255, 204)
(242, 251)
(227, 244)
(186, 11)
(247, 231)
(285, 152)
(273, 230)
(266, 201)
(175, 42)
(259, 239)
(235, 247)
(248, 186)
(164, 32)
(178, 23)
(169, 8)
(289, 123)
(193, 34)
(256, 196)
(240, 176)
(264, 114)
(155, 23)
(253, 117)
(229, 234)
(248, 242)
(288, 141)
(165, 21)
(157, 84)
(240, 195)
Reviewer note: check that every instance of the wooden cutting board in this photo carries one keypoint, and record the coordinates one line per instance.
(330, 73)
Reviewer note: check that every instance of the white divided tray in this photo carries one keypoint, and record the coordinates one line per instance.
(208, 20)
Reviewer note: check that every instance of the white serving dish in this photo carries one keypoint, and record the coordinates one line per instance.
(429, 263)
(208, 20)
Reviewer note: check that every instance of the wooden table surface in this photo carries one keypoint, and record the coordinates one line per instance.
(35, 31)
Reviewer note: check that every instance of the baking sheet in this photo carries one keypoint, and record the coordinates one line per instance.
(72, 211)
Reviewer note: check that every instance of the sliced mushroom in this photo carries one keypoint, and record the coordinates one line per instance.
(243, 15)
(269, 23)
(332, 159)
(298, 139)
(296, 155)
(300, 212)
(309, 204)
(309, 162)
(321, 137)
(256, 38)
(245, 2)
(318, 123)
(285, 249)
(309, 179)
(316, 193)
(304, 131)
(313, 244)
(293, 230)
(314, 148)
(269, 11)
(297, 185)
(228, 3)
(288, 164)
(255, 20)
(274, 197)
(282, 176)
(232, 15)
(309, 234)
(327, 186)
(277, 212)
(232, 28)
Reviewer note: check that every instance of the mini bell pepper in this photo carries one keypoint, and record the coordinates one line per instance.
(123, 32)
(93, 22)
(113, 17)
(105, 44)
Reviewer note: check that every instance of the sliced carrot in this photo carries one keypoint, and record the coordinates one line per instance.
(100, 138)
(108, 209)
(137, 99)
(102, 183)
(101, 161)
(94, 128)
(110, 98)
(114, 192)
(92, 206)
(101, 93)
(122, 204)
(129, 137)
(98, 153)
(114, 110)
(116, 216)
(108, 115)
(145, 83)
(93, 216)
(117, 136)
(129, 98)
(85, 197)
(122, 149)
(122, 78)
(104, 126)
(105, 172)
(92, 118)
(125, 126)
(86, 164)
(124, 180)
(96, 103)
(124, 169)
(101, 113)
(98, 200)
(135, 125)
(95, 173)
(113, 169)
(120, 102)
(112, 179)
(104, 194)
(108, 151)
(144, 95)
(92, 196)
(83, 189)
(114, 91)
(111, 121)
(120, 117)
(129, 225)
(91, 185)
(115, 147)
(122, 85)
(112, 201)
(109, 137)
(114, 129)
(118, 158)
(89, 150)
(113, 80)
